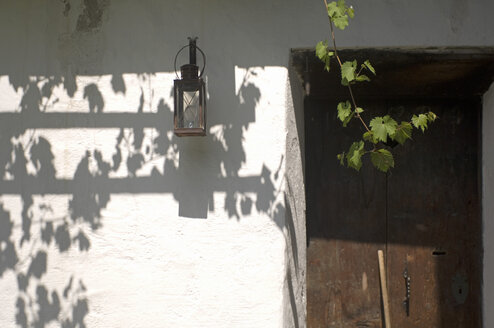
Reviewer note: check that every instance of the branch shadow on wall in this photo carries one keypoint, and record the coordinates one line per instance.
(27, 169)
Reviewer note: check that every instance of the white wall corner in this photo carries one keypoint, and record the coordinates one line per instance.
(295, 234)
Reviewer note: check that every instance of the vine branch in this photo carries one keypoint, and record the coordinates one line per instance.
(357, 114)
(380, 128)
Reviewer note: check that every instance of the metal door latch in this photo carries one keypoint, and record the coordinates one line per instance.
(406, 302)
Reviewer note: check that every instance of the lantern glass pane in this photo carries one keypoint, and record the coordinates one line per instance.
(190, 108)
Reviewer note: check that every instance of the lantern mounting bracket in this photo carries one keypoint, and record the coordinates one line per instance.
(192, 54)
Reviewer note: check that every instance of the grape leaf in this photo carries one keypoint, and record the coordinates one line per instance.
(368, 65)
(354, 156)
(327, 62)
(337, 11)
(327, 65)
(431, 116)
(341, 158)
(362, 77)
(402, 133)
(359, 110)
(341, 22)
(324, 54)
(382, 159)
(369, 136)
(347, 120)
(344, 110)
(382, 126)
(351, 12)
(321, 49)
(420, 121)
(348, 71)
(334, 9)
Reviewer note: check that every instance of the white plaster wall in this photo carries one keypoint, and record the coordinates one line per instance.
(195, 232)
(487, 204)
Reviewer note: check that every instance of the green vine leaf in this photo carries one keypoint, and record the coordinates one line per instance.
(348, 72)
(369, 137)
(321, 49)
(368, 65)
(344, 110)
(347, 120)
(403, 132)
(341, 22)
(420, 121)
(354, 156)
(382, 159)
(362, 77)
(341, 158)
(337, 11)
(351, 12)
(323, 53)
(382, 127)
(431, 116)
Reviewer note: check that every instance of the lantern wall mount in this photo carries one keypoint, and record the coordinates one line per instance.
(189, 93)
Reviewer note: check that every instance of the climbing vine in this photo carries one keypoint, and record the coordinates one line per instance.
(379, 128)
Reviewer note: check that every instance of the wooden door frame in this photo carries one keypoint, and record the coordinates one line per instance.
(462, 72)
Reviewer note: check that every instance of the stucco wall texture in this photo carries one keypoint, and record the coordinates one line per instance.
(106, 218)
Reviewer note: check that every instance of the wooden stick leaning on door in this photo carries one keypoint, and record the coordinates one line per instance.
(384, 289)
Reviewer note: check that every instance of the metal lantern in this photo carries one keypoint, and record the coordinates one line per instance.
(189, 116)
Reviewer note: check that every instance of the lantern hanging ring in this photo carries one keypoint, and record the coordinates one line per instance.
(187, 46)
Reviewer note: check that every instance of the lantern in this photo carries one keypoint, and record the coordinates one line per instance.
(189, 116)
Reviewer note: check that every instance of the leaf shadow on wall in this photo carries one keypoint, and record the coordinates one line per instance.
(27, 169)
(200, 173)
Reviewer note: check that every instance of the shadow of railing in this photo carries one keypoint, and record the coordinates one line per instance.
(28, 170)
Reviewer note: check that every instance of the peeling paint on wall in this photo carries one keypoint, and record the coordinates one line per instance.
(92, 15)
(66, 8)
(81, 51)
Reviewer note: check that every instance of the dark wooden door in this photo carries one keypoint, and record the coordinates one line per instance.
(425, 215)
